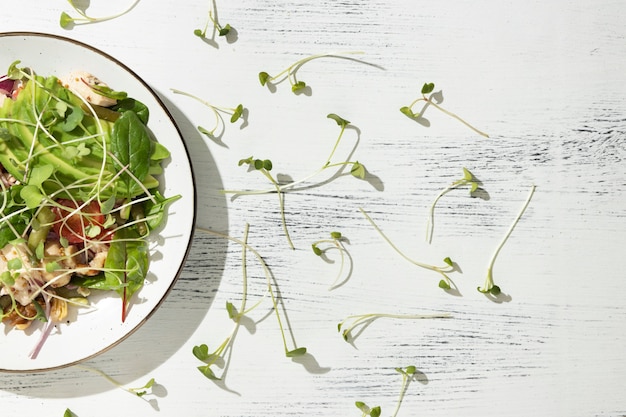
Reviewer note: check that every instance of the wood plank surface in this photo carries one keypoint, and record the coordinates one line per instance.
(546, 81)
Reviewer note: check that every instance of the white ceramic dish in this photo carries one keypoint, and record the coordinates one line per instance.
(95, 331)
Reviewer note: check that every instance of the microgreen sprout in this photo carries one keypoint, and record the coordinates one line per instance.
(489, 287)
(350, 323)
(445, 283)
(212, 21)
(66, 21)
(408, 374)
(138, 392)
(428, 100)
(218, 128)
(468, 179)
(366, 410)
(290, 73)
(212, 358)
(264, 166)
(334, 242)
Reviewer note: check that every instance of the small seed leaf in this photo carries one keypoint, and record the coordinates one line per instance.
(264, 77)
(296, 352)
(428, 88)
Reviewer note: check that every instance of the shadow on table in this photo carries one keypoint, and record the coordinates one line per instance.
(174, 322)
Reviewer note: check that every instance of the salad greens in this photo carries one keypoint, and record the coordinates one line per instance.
(78, 198)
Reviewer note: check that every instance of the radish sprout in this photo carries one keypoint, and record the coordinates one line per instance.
(428, 88)
(290, 72)
(217, 131)
(445, 283)
(489, 287)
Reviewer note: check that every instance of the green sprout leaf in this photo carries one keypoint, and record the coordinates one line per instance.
(489, 287)
(358, 170)
(428, 88)
(263, 77)
(340, 120)
(296, 352)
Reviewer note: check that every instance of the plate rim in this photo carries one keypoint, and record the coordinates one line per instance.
(183, 261)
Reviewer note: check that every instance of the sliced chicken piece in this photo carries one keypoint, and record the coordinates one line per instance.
(81, 83)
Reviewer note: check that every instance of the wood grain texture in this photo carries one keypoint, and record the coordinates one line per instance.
(546, 81)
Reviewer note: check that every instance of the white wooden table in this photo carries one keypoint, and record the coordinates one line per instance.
(545, 80)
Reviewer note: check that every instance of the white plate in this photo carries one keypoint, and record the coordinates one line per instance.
(91, 333)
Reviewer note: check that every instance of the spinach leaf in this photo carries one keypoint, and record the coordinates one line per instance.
(136, 106)
(127, 263)
(132, 146)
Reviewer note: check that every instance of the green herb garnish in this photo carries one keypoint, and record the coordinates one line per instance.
(264, 166)
(445, 283)
(290, 73)
(350, 323)
(216, 132)
(212, 21)
(66, 21)
(335, 242)
(489, 287)
(468, 180)
(428, 100)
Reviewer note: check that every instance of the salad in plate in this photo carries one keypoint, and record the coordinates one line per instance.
(79, 195)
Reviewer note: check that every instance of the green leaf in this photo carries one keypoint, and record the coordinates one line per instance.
(7, 278)
(375, 412)
(340, 121)
(14, 264)
(467, 175)
(52, 266)
(362, 406)
(300, 85)
(40, 173)
(106, 91)
(428, 88)
(208, 372)
(201, 352)
(296, 352)
(264, 77)
(199, 33)
(408, 112)
(68, 413)
(358, 170)
(335, 235)
(448, 261)
(267, 165)
(316, 250)
(495, 290)
(132, 146)
(66, 20)
(410, 369)
(237, 113)
(32, 196)
(224, 31)
(443, 284)
(231, 309)
(258, 164)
